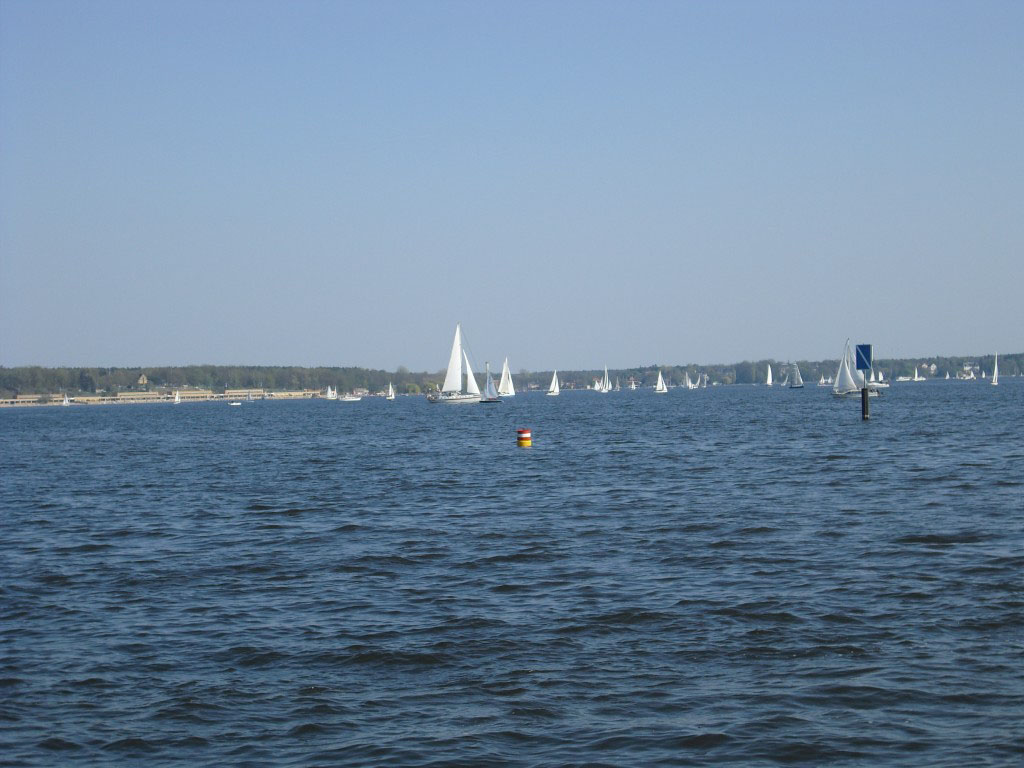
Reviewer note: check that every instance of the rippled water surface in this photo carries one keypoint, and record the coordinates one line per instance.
(736, 575)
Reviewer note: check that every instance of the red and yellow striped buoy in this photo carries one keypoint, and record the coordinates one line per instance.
(524, 438)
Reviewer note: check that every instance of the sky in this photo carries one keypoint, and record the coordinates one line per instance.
(579, 184)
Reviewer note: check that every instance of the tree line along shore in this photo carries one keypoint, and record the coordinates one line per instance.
(41, 385)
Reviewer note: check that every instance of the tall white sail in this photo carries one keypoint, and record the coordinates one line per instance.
(66, 401)
(845, 383)
(553, 389)
(505, 386)
(391, 392)
(797, 381)
(472, 388)
(177, 397)
(660, 387)
(768, 380)
(453, 378)
(995, 371)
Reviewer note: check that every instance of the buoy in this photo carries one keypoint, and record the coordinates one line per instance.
(524, 438)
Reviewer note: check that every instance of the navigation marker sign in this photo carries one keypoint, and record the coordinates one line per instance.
(863, 356)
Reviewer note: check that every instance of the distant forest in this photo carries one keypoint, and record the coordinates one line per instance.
(39, 380)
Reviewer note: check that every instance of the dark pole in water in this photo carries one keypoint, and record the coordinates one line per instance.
(864, 414)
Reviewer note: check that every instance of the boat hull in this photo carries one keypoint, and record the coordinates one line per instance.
(454, 399)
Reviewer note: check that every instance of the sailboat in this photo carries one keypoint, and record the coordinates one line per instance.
(453, 391)
(797, 381)
(632, 383)
(553, 389)
(660, 387)
(617, 387)
(66, 401)
(490, 394)
(947, 375)
(846, 383)
(605, 385)
(785, 379)
(332, 394)
(917, 376)
(391, 392)
(821, 381)
(350, 398)
(505, 386)
(177, 397)
(995, 373)
(768, 380)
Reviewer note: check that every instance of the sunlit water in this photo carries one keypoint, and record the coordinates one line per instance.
(735, 575)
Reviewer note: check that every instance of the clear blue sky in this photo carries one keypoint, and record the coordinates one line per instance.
(578, 183)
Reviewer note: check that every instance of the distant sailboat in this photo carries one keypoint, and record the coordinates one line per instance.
(177, 397)
(660, 387)
(553, 390)
(490, 394)
(797, 382)
(822, 382)
(66, 401)
(768, 380)
(332, 394)
(453, 391)
(947, 375)
(605, 385)
(505, 386)
(995, 371)
(391, 392)
(917, 376)
(845, 383)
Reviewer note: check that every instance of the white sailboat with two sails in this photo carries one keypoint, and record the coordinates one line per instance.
(457, 390)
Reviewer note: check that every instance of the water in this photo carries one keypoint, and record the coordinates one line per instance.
(735, 575)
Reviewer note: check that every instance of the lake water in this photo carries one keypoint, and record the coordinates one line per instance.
(735, 575)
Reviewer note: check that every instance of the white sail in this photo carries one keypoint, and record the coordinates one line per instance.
(871, 379)
(881, 377)
(768, 380)
(472, 388)
(917, 376)
(66, 401)
(995, 371)
(797, 380)
(453, 378)
(505, 387)
(660, 388)
(553, 389)
(490, 391)
(391, 392)
(845, 383)
(177, 397)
